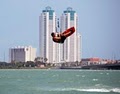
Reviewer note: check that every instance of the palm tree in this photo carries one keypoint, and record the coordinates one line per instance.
(37, 59)
(41, 59)
(45, 60)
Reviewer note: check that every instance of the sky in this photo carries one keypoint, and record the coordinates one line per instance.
(98, 24)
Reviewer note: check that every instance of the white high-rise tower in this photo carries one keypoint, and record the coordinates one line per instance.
(47, 25)
(71, 47)
(70, 51)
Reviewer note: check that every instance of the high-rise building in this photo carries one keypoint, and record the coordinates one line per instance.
(70, 51)
(79, 49)
(47, 25)
(71, 48)
(22, 54)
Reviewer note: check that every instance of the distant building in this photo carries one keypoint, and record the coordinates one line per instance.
(79, 48)
(71, 49)
(95, 61)
(47, 25)
(91, 61)
(22, 54)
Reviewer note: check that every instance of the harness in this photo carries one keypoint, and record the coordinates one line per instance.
(62, 39)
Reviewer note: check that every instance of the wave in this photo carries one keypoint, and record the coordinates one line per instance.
(115, 90)
(95, 79)
(85, 90)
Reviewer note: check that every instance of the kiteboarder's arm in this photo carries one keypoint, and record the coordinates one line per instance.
(57, 38)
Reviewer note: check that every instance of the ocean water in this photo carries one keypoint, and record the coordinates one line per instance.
(56, 81)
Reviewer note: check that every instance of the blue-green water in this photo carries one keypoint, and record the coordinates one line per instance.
(36, 81)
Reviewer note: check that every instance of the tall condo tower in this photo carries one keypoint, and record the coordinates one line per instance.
(47, 25)
(70, 50)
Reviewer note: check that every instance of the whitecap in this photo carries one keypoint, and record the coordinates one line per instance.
(98, 85)
(83, 75)
(107, 73)
(55, 75)
(94, 90)
(117, 90)
(95, 79)
(83, 90)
